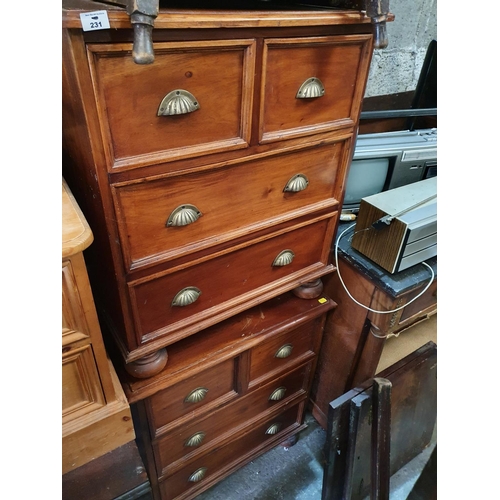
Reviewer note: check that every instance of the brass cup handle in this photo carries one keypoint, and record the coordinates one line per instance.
(278, 394)
(284, 351)
(178, 102)
(274, 428)
(310, 89)
(196, 395)
(195, 440)
(297, 183)
(183, 215)
(197, 475)
(186, 296)
(284, 258)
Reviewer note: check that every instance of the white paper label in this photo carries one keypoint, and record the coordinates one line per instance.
(97, 20)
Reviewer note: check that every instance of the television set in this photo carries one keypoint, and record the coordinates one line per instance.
(387, 160)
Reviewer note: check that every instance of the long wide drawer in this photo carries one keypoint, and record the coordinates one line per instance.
(178, 107)
(209, 467)
(176, 300)
(162, 219)
(196, 436)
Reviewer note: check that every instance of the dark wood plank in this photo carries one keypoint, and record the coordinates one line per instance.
(117, 474)
(336, 446)
(413, 417)
(381, 439)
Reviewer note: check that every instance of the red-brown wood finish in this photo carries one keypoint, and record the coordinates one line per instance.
(254, 175)
(354, 337)
(244, 389)
(231, 158)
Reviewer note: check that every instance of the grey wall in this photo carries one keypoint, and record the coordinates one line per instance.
(397, 67)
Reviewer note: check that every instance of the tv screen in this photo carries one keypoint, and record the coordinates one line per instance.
(366, 177)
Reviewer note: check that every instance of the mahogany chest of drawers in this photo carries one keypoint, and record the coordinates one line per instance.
(213, 178)
(228, 393)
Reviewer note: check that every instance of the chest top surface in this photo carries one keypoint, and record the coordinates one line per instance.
(76, 233)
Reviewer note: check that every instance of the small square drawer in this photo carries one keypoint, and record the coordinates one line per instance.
(423, 303)
(197, 436)
(200, 293)
(206, 389)
(162, 219)
(279, 352)
(203, 471)
(195, 99)
(312, 85)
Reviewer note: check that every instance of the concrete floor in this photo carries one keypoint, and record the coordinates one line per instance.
(296, 473)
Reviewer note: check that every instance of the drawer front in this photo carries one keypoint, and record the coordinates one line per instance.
(198, 436)
(163, 219)
(195, 99)
(332, 70)
(277, 353)
(206, 389)
(81, 387)
(203, 470)
(423, 303)
(177, 300)
(74, 322)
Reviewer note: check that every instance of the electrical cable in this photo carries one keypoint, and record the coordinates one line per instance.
(359, 303)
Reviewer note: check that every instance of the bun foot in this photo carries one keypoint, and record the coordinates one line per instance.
(148, 365)
(288, 443)
(309, 290)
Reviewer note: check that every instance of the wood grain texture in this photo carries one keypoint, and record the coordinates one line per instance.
(345, 334)
(170, 449)
(230, 159)
(179, 18)
(230, 350)
(129, 96)
(116, 473)
(254, 441)
(223, 196)
(76, 232)
(243, 274)
(97, 432)
(230, 338)
(412, 416)
(383, 246)
(95, 414)
(354, 337)
(288, 63)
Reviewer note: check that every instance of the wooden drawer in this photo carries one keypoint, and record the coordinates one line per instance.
(232, 201)
(338, 62)
(199, 392)
(81, 388)
(82, 392)
(279, 352)
(207, 468)
(204, 433)
(74, 320)
(218, 75)
(227, 280)
(422, 305)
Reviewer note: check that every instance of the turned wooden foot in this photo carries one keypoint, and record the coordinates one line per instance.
(289, 442)
(148, 365)
(309, 290)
